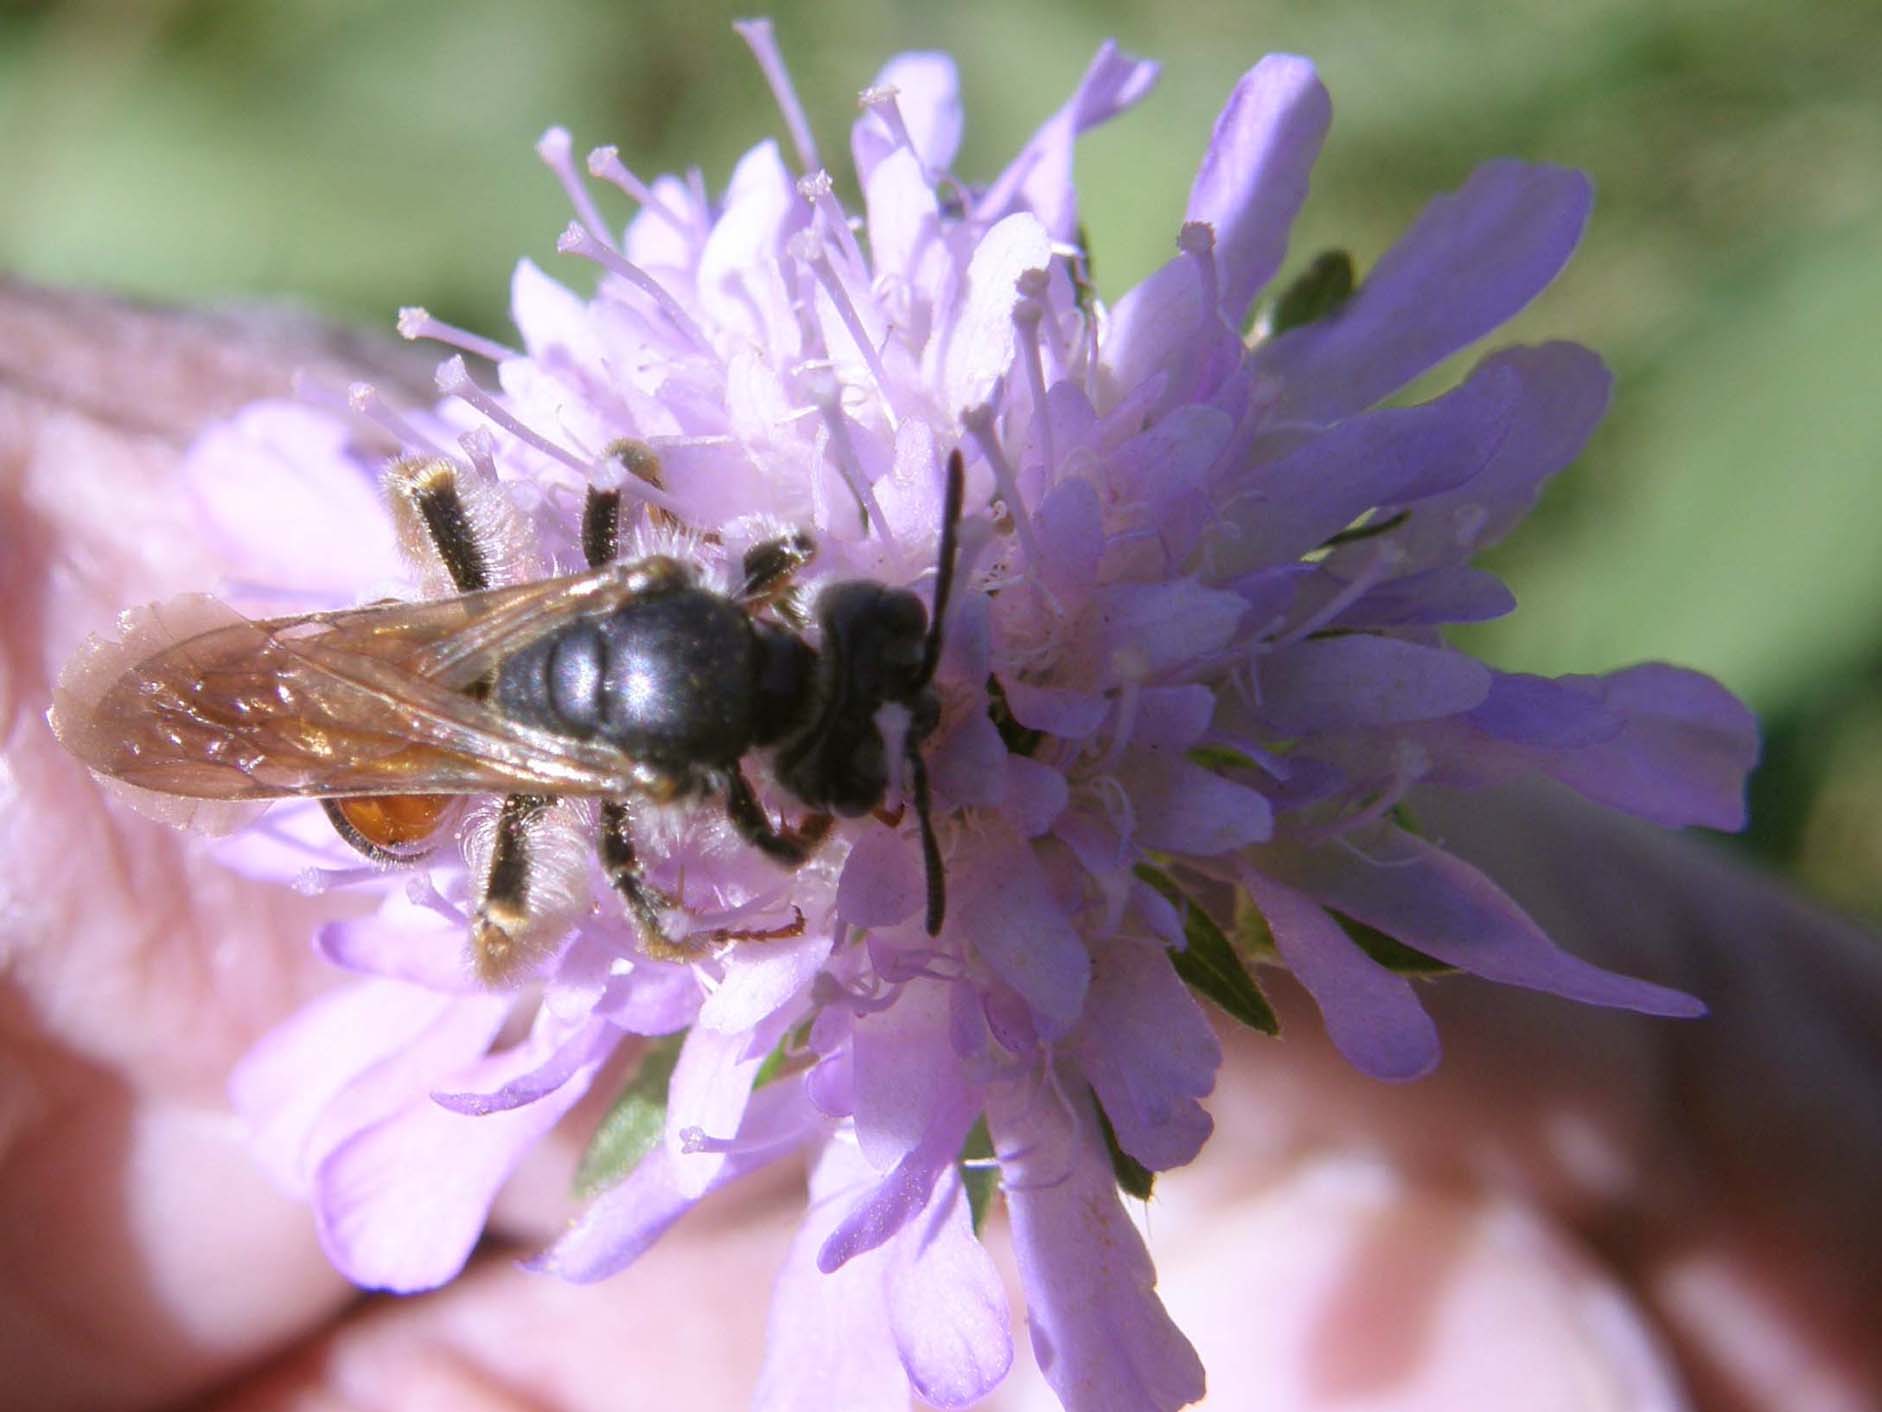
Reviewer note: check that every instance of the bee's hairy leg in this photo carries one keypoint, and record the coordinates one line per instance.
(601, 527)
(769, 568)
(786, 845)
(502, 921)
(430, 489)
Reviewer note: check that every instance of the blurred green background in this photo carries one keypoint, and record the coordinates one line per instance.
(355, 156)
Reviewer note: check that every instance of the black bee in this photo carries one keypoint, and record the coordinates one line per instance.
(629, 681)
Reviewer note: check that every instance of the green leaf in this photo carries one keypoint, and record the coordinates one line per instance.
(1318, 292)
(977, 1175)
(633, 1126)
(1218, 758)
(1133, 1177)
(1209, 964)
(1390, 952)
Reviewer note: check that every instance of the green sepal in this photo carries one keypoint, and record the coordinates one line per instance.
(1133, 1177)
(635, 1124)
(1218, 758)
(1209, 963)
(1318, 292)
(980, 1179)
(1390, 952)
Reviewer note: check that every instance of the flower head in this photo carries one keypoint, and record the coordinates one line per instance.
(1194, 666)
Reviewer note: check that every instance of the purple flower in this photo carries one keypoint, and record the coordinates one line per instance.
(1194, 669)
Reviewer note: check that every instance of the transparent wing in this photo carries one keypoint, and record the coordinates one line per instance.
(196, 700)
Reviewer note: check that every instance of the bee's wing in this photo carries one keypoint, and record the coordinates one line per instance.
(200, 702)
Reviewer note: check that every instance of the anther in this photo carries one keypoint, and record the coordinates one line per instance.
(604, 164)
(576, 241)
(555, 149)
(979, 423)
(416, 323)
(763, 44)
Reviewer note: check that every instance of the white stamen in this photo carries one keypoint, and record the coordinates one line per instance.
(605, 164)
(758, 37)
(555, 149)
(806, 247)
(364, 399)
(826, 393)
(1385, 558)
(576, 241)
(979, 421)
(1197, 240)
(818, 190)
(1028, 313)
(880, 100)
(416, 323)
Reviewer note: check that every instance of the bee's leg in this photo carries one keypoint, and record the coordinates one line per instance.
(503, 940)
(644, 902)
(787, 845)
(769, 568)
(429, 489)
(601, 527)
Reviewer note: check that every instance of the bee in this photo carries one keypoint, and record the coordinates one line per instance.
(629, 681)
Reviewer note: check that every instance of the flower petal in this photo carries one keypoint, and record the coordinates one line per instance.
(928, 98)
(828, 1342)
(1040, 178)
(1335, 683)
(1469, 263)
(947, 1304)
(906, 1071)
(763, 979)
(1183, 808)
(885, 1208)
(1445, 908)
(1372, 1016)
(981, 343)
(1008, 914)
(1036, 795)
(1147, 1049)
(1100, 1334)
(882, 881)
(400, 1205)
(1253, 178)
(624, 1221)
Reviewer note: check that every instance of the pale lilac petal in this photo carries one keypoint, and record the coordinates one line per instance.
(292, 841)
(552, 1056)
(1172, 717)
(1253, 177)
(1070, 523)
(401, 1205)
(969, 767)
(906, 1071)
(1040, 178)
(1183, 808)
(625, 1220)
(556, 323)
(1469, 263)
(828, 1342)
(706, 1098)
(1036, 795)
(281, 1087)
(981, 343)
(1681, 758)
(1006, 911)
(1150, 628)
(947, 1303)
(1455, 593)
(763, 978)
(1530, 710)
(1561, 394)
(403, 941)
(904, 216)
(1442, 906)
(1335, 683)
(1147, 1049)
(928, 98)
(882, 881)
(1372, 1016)
(651, 999)
(889, 1205)
(1056, 710)
(1389, 457)
(1100, 1334)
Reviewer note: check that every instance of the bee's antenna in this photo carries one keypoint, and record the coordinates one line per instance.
(930, 660)
(944, 573)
